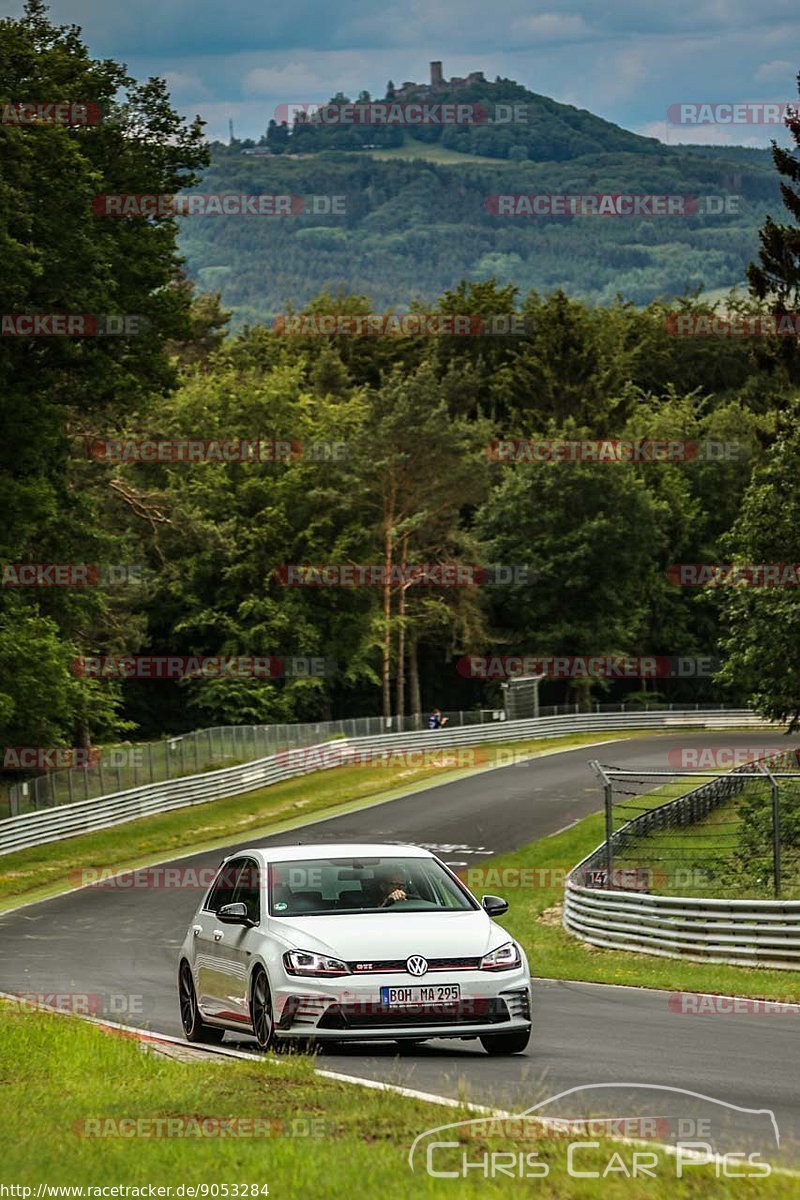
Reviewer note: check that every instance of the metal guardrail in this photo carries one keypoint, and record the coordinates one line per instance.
(131, 766)
(753, 933)
(747, 933)
(126, 766)
(68, 820)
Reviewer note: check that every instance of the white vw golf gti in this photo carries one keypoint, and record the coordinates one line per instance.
(351, 942)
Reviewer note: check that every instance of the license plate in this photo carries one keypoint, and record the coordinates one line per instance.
(400, 997)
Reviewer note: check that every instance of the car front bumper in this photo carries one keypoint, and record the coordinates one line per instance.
(490, 1004)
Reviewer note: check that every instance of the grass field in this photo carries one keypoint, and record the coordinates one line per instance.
(432, 152)
(84, 1107)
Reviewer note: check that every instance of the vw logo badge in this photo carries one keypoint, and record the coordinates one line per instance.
(416, 965)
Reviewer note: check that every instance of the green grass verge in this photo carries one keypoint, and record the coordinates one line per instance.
(46, 870)
(327, 1139)
(433, 152)
(531, 879)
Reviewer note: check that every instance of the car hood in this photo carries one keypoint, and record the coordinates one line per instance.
(380, 936)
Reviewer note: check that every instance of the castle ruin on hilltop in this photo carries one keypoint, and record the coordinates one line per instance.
(438, 84)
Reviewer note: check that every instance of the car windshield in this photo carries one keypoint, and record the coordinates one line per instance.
(346, 885)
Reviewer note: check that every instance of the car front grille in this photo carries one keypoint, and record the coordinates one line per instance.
(480, 1011)
(388, 965)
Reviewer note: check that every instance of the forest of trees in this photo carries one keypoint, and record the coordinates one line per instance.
(411, 229)
(409, 479)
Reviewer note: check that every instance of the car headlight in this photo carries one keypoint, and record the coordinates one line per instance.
(502, 959)
(306, 962)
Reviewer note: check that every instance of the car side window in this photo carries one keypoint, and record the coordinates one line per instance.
(248, 889)
(224, 885)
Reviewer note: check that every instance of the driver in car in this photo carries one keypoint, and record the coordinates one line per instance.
(391, 886)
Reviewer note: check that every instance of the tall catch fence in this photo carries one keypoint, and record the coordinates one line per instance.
(698, 833)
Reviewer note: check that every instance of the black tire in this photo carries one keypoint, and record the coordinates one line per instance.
(506, 1043)
(261, 1009)
(194, 1028)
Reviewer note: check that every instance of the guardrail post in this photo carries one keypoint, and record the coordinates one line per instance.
(776, 830)
(608, 801)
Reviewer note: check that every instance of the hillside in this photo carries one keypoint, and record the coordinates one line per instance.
(511, 123)
(418, 211)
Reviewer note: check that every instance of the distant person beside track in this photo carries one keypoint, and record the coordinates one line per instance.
(436, 720)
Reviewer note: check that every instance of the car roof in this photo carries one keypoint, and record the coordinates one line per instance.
(302, 850)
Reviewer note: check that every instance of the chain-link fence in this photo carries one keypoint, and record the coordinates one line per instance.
(698, 833)
(116, 768)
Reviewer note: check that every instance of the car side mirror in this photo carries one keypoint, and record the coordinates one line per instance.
(494, 905)
(234, 914)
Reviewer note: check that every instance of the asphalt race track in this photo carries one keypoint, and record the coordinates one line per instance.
(124, 943)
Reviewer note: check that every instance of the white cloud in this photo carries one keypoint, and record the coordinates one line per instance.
(698, 135)
(553, 27)
(292, 79)
(777, 71)
(183, 85)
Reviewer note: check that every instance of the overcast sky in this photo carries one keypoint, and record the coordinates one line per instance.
(624, 60)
